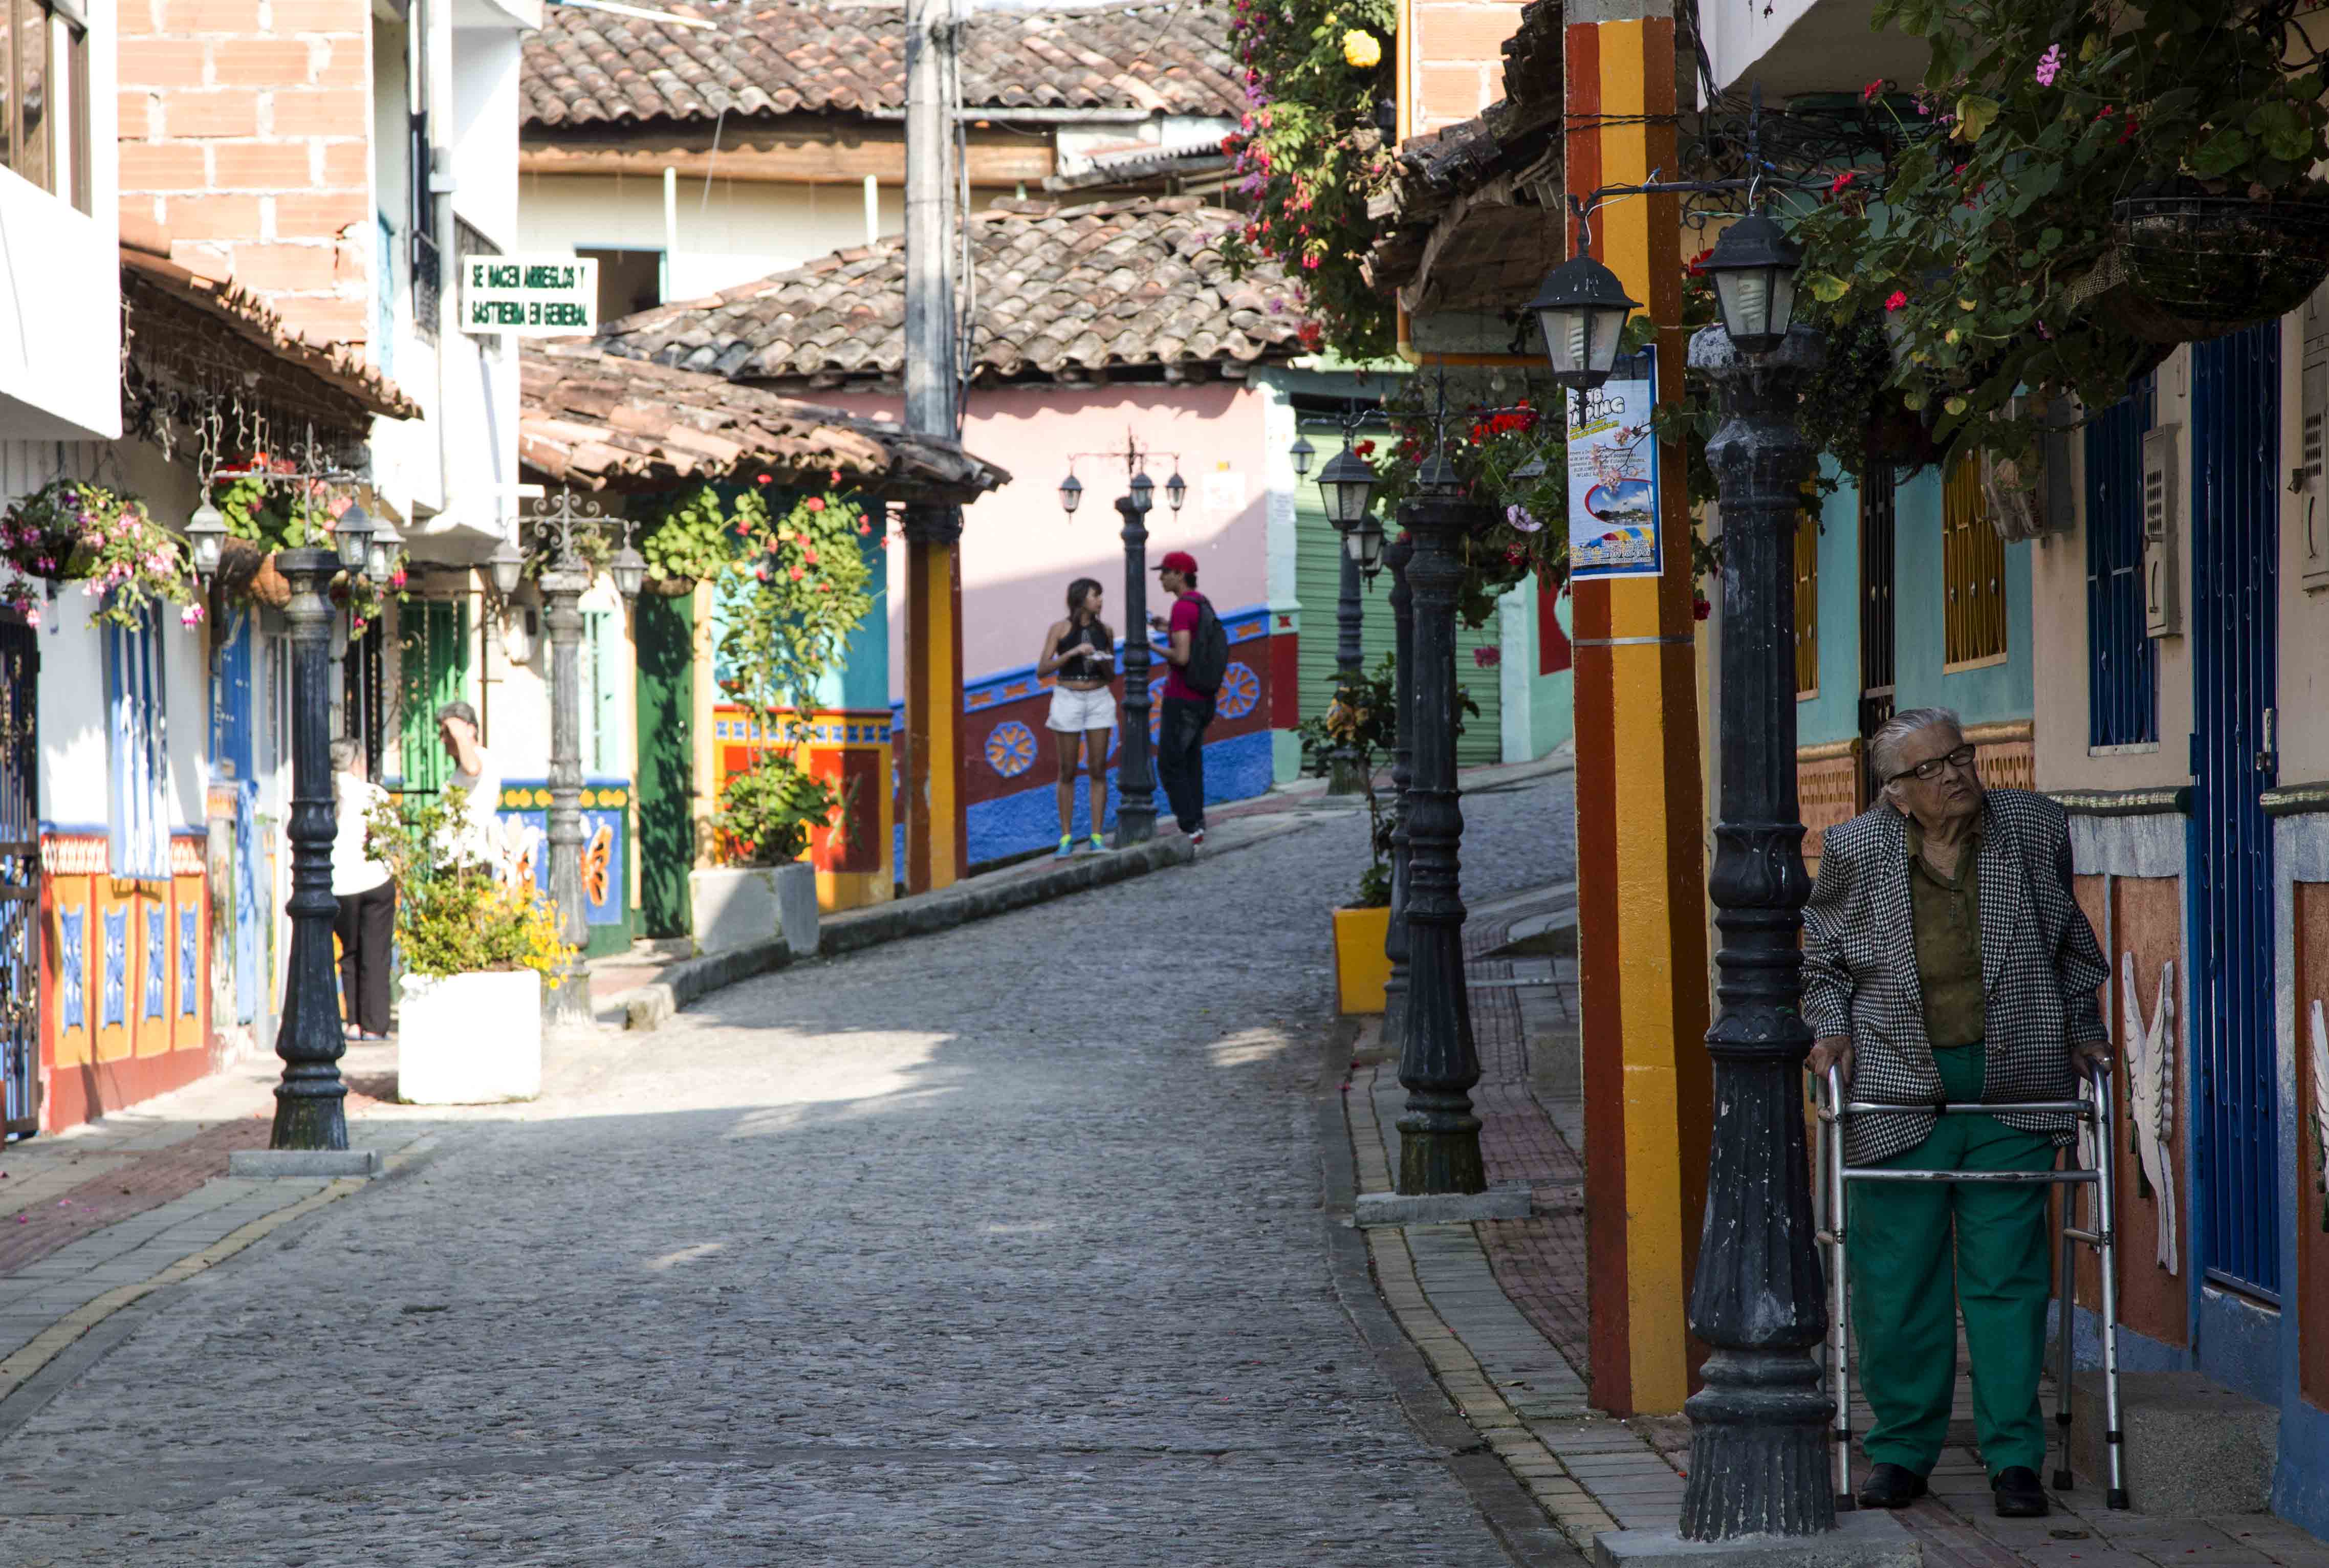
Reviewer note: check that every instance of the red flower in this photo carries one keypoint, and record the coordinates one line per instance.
(814, 503)
(797, 574)
(1897, 299)
(1700, 609)
(863, 528)
(1835, 187)
(1366, 448)
(1868, 94)
(764, 478)
(1698, 262)
(1488, 658)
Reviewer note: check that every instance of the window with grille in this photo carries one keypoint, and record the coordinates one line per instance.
(1807, 539)
(1973, 571)
(2122, 695)
(45, 78)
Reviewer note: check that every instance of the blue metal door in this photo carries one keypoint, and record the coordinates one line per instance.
(2235, 552)
(20, 879)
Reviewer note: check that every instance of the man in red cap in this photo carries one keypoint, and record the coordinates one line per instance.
(1196, 653)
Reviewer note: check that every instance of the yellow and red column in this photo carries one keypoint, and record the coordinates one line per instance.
(936, 831)
(1640, 808)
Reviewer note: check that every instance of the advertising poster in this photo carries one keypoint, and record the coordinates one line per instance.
(1613, 475)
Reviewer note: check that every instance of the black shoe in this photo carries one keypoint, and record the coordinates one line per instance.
(2019, 1495)
(1891, 1487)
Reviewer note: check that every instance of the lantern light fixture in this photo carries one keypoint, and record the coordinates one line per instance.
(629, 570)
(508, 564)
(1302, 451)
(1071, 492)
(351, 535)
(1144, 493)
(1754, 270)
(1347, 484)
(1176, 489)
(205, 535)
(1581, 310)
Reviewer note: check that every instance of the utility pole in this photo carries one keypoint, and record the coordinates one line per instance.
(934, 831)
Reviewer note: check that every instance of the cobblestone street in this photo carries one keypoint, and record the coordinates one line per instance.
(1000, 1246)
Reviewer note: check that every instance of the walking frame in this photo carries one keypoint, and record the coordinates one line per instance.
(1832, 1229)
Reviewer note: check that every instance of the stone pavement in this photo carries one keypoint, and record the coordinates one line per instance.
(1498, 1308)
(1000, 1246)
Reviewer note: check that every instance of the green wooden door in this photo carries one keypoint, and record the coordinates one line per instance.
(602, 716)
(666, 782)
(1318, 584)
(433, 657)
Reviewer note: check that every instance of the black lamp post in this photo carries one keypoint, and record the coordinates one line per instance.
(564, 582)
(1398, 555)
(1136, 780)
(310, 1103)
(1346, 486)
(1438, 1135)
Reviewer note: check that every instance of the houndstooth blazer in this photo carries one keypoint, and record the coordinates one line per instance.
(2040, 963)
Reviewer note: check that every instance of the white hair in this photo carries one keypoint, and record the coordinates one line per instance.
(1884, 746)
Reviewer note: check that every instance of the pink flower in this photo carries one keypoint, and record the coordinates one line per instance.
(31, 616)
(810, 556)
(797, 574)
(1835, 187)
(1488, 658)
(1523, 519)
(1868, 94)
(2049, 65)
(191, 615)
(1898, 299)
(814, 503)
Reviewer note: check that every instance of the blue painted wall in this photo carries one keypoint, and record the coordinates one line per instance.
(1835, 713)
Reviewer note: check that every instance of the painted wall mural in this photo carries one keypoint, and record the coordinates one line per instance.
(524, 812)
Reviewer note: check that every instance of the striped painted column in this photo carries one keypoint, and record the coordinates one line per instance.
(933, 805)
(1640, 806)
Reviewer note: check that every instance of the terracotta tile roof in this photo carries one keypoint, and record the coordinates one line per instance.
(776, 57)
(230, 307)
(597, 423)
(1064, 293)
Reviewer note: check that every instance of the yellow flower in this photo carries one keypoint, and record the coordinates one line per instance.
(1362, 49)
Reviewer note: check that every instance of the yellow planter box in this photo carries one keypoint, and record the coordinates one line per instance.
(1360, 970)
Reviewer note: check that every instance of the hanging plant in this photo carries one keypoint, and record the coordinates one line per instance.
(70, 531)
(688, 539)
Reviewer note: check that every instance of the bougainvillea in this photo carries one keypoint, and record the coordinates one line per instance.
(1307, 154)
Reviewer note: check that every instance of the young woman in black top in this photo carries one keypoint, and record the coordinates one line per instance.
(1079, 654)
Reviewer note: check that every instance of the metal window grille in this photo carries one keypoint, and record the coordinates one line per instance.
(1808, 538)
(1973, 571)
(1877, 530)
(427, 261)
(2122, 694)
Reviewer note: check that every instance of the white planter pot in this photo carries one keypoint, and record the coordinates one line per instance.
(736, 906)
(469, 1039)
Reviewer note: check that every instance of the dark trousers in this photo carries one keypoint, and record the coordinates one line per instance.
(366, 926)
(1181, 758)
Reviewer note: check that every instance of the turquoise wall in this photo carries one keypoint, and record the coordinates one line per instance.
(1990, 695)
(1835, 713)
(1552, 699)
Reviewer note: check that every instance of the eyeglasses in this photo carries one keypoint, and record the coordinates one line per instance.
(1961, 760)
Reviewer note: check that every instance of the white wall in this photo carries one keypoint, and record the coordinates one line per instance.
(736, 231)
(483, 135)
(1792, 46)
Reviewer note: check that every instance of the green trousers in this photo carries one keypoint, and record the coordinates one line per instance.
(1920, 1251)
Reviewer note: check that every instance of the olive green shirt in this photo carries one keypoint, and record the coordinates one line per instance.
(1946, 914)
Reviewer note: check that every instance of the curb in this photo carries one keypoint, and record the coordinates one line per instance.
(645, 1006)
(925, 913)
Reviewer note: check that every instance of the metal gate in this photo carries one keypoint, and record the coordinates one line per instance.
(2235, 552)
(20, 879)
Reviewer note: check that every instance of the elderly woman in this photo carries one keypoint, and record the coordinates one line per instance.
(1945, 959)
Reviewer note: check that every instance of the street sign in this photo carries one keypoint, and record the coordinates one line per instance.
(532, 296)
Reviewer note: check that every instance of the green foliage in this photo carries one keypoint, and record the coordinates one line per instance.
(1978, 246)
(70, 531)
(1308, 153)
(453, 915)
(690, 538)
(1364, 718)
(767, 811)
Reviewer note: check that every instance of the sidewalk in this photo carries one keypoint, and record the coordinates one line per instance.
(1498, 1308)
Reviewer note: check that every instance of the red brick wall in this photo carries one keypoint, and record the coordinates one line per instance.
(246, 139)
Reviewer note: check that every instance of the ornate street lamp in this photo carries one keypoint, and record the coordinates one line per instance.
(1581, 310)
(1135, 783)
(1346, 488)
(1754, 271)
(1302, 451)
(1438, 1135)
(557, 524)
(311, 1103)
(506, 565)
(205, 537)
(353, 535)
(1398, 555)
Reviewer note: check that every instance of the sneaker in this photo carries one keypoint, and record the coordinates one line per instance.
(1197, 838)
(2019, 1495)
(1067, 846)
(1097, 843)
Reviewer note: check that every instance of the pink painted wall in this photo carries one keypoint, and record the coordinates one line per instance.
(1020, 550)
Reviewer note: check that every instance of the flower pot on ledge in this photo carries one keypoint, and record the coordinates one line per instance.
(1362, 969)
(735, 906)
(472, 1039)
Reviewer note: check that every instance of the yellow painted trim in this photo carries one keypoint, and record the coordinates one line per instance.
(943, 703)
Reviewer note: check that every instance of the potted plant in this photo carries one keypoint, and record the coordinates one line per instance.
(475, 951)
(70, 531)
(794, 584)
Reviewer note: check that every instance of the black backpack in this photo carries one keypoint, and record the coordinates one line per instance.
(1208, 650)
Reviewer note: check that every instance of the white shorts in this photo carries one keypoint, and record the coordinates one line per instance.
(1074, 712)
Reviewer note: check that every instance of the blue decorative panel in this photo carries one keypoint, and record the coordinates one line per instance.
(157, 960)
(73, 966)
(1010, 749)
(605, 851)
(188, 944)
(1240, 690)
(113, 1008)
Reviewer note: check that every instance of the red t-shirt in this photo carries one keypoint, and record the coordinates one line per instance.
(1184, 618)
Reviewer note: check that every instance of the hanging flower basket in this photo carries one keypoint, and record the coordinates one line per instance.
(669, 586)
(249, 573)
(71, 531)
(2217, 263)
